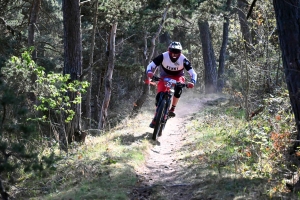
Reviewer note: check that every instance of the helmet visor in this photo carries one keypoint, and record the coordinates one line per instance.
(177, 51)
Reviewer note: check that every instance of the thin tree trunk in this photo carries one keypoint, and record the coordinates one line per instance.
(34, 12)
(288, 16)
(140, 102)
(4, 194)
(72, 65)
(210, 73)
(221, 69)
(90, 73)
(97, 101)
(246, 80)
(108, 78)
(242, 7)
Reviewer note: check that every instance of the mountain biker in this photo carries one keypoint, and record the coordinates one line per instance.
(171, 64)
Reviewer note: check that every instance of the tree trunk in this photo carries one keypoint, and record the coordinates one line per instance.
(221, 70)
(108, 78)
(288, 16)
(146, 87)
(242, 7)
(139, 103)
(210, 72)
(4, 194)
(72, 64)
(97, 100)
(90, 73)
(34, 11)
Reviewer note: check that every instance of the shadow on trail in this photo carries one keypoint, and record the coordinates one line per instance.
(212, 187)
(129, 138)
(216, 175)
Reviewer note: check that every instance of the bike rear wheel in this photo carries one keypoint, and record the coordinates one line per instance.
(159, 119)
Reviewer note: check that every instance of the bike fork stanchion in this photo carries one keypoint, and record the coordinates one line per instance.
(159, 119)
(162, 115)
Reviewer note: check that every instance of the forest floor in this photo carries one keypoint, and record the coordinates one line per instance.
(194, 159)
(165, 174)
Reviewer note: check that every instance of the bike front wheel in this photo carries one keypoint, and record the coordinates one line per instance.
(159, 120)
(162, 128)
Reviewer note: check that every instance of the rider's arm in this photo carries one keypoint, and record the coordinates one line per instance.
(187, 65)
(156, 62)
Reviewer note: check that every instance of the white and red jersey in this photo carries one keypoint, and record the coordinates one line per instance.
(169, 68)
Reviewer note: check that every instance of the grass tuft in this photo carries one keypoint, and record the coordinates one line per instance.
(247, 157)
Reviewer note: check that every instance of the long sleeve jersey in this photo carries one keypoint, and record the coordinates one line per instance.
(170, 68)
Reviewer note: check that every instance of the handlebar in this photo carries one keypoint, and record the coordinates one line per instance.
(170, 81)
(155, 78)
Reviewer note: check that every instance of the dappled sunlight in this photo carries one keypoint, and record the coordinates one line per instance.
(109, 157)
(190, 160)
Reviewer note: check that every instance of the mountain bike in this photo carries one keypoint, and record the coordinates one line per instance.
(163, 105)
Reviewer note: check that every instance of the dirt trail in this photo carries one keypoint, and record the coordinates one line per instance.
(161, 176)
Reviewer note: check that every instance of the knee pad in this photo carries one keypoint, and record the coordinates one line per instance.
(177, 92)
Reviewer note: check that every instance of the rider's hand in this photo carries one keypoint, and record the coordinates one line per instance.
(147, 81)
(190, 85)
(150, 74)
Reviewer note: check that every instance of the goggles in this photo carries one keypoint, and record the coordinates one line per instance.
(177, 51)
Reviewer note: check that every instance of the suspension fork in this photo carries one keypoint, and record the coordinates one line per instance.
(168, 97)
(165, 96)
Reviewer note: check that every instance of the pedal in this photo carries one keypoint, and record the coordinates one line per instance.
(171, 114)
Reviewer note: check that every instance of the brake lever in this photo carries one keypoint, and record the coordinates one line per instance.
(155, 78)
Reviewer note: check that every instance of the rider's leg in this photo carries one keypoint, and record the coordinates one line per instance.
(157, 98)
(174, 103)
(177, 94)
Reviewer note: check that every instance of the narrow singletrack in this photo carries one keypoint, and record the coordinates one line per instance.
(162, 172)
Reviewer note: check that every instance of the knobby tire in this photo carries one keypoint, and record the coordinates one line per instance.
(159, 119)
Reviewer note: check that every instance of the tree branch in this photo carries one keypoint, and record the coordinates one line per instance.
(251, 8)
(83, 2)
(158, 32)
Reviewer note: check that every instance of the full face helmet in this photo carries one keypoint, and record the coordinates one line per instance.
(175, 49)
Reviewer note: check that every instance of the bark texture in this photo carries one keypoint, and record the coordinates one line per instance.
(108, 78)
(210, 72)
(287, 16)
(242, 8)
(35, 8)
(90, 72)
(72, 65)
(221, 69)
(32, 26)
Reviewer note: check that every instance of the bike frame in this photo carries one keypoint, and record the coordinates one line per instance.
(163, 105)
(168, 94)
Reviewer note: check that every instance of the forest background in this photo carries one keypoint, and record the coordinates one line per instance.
(75, 68)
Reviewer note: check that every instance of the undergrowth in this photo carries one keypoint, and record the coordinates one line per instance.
(224, 157)
(102, 168)
(251, 157)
